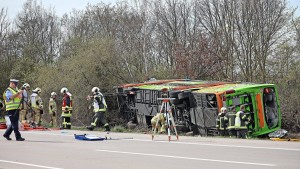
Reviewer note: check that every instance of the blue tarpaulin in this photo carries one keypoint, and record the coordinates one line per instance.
(88, 137)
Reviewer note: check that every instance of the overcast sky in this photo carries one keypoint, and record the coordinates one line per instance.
(61, 6)
(65, 6)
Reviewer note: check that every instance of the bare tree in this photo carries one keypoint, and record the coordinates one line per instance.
(39, 33)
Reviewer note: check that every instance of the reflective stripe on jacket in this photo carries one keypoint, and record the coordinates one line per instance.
(99, 103)
(240, 120)
(67, 102)
(230, 118)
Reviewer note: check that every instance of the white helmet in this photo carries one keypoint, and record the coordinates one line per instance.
(37, 90)
(95, 90)
(63, 90)
(53, 94)
(25, 85)
(223, 110)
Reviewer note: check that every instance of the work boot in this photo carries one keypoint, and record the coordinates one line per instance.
(20, 139)
(91, 128)
(7, 137)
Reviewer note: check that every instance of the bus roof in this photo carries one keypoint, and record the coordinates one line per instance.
(234, 86)
(186, 84)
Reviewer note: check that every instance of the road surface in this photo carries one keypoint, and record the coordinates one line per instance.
(58, 149)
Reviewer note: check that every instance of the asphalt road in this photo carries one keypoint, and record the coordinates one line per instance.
(60, 150)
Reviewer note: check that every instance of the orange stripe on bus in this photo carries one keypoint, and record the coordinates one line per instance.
(260, 111)
(219, 100)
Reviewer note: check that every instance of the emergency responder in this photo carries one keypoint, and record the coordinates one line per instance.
(2, 105)
(66, 108)
(220, 122)
(12, 97)
(25, 99)
(53, 109)
(161, 125)
(230, 120)
(99, 109)
(37, 106)
(240, 123)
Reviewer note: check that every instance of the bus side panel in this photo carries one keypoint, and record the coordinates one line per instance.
(260, 111)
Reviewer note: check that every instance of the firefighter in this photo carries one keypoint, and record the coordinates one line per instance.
(66, 108)
(2, 105)
(240, 123)
(37, 106)
(99, 109)
(12, 97)
(25, 99)
(53, 109)
(230, 120)
(220, 122)
(161, 122)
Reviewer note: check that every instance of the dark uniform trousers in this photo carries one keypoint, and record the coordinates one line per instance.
(14, 119)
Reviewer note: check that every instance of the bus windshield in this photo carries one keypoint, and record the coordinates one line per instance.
(270, 107)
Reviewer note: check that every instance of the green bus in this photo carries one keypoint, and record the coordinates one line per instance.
(196, 103)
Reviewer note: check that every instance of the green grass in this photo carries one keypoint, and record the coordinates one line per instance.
(119, 129)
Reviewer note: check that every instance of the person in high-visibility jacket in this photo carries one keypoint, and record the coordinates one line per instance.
(53, 109)
(240, 123)
(37, 106)
(230, 120)
(161, 125)
(12, 97)
(99, 109)
(220, 122)
(67, 108)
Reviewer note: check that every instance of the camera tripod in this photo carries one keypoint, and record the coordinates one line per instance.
(166, 109)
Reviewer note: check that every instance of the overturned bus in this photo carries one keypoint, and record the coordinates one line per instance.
(196, 103)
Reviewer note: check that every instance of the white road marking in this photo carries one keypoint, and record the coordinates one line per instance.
(27, 164)
(51, 134)
(188, 158)
(179, 142)
(217, 145)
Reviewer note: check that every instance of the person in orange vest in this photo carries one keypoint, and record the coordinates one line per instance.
(67, 108)
(13, 97)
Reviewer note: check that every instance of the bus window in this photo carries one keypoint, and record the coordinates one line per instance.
(211, 101)
(270, 107)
